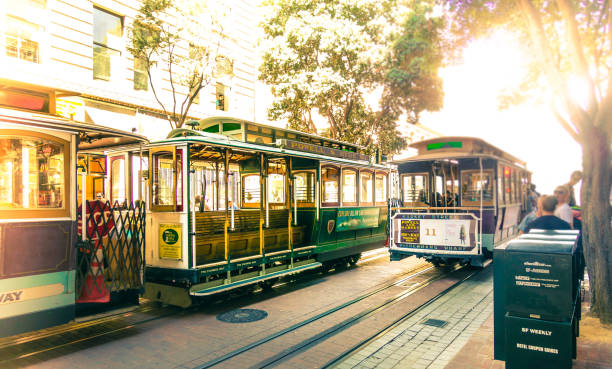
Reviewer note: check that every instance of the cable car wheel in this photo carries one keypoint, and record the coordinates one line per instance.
(267, 284)
(353, 259)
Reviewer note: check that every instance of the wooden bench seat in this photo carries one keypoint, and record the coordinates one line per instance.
(244, 239)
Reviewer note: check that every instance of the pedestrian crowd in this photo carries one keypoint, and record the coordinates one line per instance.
(552, 211)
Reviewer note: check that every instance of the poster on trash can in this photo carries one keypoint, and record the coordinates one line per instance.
(170, 241)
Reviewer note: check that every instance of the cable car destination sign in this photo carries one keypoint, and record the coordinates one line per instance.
(321, 150)
(440, 232)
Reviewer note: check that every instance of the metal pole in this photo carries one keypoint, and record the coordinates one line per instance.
(83, 204)
(193, 222)
(233, 199)
(226, 177)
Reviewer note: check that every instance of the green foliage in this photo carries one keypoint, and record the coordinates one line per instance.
(569, 41)
(360, 65)
(173, 37)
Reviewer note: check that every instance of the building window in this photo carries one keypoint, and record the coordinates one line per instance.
(24, 99)
(108, 31)
(141, 78)
(20, 39)
(220, 101)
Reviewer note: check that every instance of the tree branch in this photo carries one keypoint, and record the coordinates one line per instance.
(566, 125)
(577, 52)
(170, 62)
(149, 65)
(545, 53)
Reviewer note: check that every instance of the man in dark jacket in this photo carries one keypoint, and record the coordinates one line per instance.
(548, 220)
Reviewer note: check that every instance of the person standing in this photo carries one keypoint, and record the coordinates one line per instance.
(547, 220)
(563, 209)
(575, 177)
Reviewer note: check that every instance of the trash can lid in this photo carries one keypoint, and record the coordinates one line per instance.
(555, 231)
(541, 246)
(549, 236)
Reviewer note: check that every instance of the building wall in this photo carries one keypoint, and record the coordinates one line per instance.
(64, 31)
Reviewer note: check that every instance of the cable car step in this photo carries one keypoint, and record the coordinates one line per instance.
(245, 282)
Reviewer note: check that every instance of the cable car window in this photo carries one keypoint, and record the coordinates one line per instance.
(330, 183)
(349, 187)
(507, 185)
(439, 194)
(118, 182)
(381, 188)
(304, 187)
(139, 166)
(414, 188)
(517, 186)
(251, 190)
(163, 188)
(500, 184)
(32, 173)
(475, 186)
(367, 186)
(452, 194)
(276, 188)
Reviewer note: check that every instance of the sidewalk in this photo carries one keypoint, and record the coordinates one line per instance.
(465, 341)
(594, 348)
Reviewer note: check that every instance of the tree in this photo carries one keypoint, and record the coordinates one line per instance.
(569, 40)
(180, 39)
(333, 57)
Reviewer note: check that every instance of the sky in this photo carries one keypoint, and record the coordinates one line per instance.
(529, 132)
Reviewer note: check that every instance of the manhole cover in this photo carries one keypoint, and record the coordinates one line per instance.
(242, 316)
(435, 323)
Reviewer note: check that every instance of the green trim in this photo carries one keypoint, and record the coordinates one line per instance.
(212, 129)
(230, 127)
(445, 145)
(336, 245)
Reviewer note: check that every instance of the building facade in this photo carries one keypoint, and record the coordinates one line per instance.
(70, 58)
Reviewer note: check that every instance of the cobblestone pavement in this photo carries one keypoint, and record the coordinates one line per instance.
(195, 336)
(413, 344)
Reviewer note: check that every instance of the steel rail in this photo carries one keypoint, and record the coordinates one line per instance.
(398, 321)
(161, 312)
(324, 314)
(312, 341)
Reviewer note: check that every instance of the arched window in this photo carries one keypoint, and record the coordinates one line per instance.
(34, 175)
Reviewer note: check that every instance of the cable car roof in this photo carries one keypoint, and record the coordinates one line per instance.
(212, 121)
(91, 137)
(184, 135)
(457, 147)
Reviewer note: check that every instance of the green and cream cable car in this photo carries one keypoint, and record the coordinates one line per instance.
(234, 203)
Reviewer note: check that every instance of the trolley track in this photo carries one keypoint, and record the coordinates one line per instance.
(61, 338)
(397, 322)
(304, 345)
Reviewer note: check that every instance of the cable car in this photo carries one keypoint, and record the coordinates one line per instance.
(234, 203)
(46, 268)
(459, 197)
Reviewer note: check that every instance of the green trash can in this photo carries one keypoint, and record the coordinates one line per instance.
(540, 279)
(563, 235)
(499, 302)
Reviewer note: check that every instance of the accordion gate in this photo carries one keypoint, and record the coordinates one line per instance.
(110, 254)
